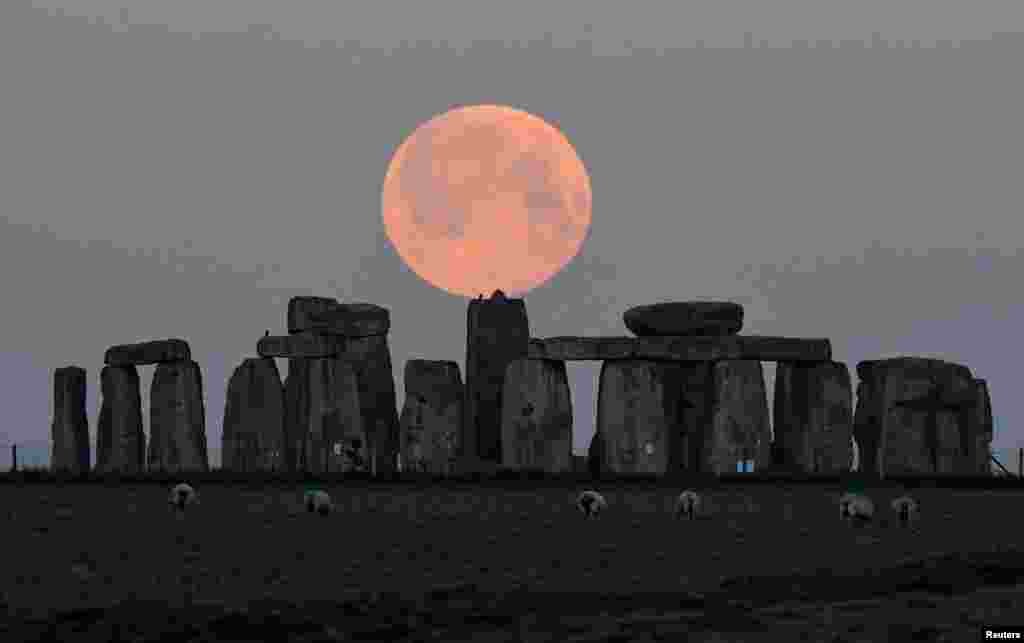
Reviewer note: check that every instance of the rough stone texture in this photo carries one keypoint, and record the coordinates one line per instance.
(324, 424)
(913, 416)
(432, 416)
(177, 419)
(814, 417)
(695, 411)
(253, 438)
(352, 320)
(300, 310)
(685, 318)
(981, 430)
(155, 352)
(70, 428)
(497, 333)
(536, 422)
(120, 442)
(637, 415)
(371, 358)
(306, 344)
(739, 427)
(692, 349)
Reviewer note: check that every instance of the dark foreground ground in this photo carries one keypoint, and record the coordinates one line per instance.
(93, 563)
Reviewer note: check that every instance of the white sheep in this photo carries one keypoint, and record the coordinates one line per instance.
(182, 495)
(907, 510)
(591, 503)
(688, 504)
(856, 508)
(319, 501)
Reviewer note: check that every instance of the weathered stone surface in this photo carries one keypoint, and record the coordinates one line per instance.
(980, 424)
(352, 320)
(536, 423)
(70, 428)
(739, 426)
(155, 352)
(177, 419)
(253, 438)
(694, 349)
(324, 423)
(695, 411)
(913, 415)
(120, 442)
(432, 416)
(306, 344)
(497, 333)
(637, 415)
(371, 358)
(814, 417)
(684, 318)
(300, 310)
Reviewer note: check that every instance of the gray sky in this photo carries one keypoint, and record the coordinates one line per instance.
(157, 183)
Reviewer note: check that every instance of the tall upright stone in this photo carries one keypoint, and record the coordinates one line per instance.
(325, 430)
(432, 416)
(739, 429)
(296, 413)
(177, 419)
(913, 416)
(370, 356)
(70, 428)
(814, 416)
(696, 413)
(253, 438)
(981, 430)
(120, 442)
(637, 415)
(536, 426)
(497, 333)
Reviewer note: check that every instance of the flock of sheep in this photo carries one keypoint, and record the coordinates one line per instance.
(854, 508)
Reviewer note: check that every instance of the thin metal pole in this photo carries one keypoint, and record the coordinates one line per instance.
(14, 457)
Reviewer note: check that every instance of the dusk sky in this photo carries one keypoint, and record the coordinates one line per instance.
(181, 169)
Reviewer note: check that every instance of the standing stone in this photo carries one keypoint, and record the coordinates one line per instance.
(696, 412)
(177, 419)
(120, 442)
(432, 416)
(302, 309)
(814, 417)
(371, 358)
(296, 414)
(325, 429)
(536, 424)
(637, 415)
(981, 430)
(253, 438)
(685, 318)
(497, 333)
(739, 429)
(596, 456)
(70, 428)
(914, 416)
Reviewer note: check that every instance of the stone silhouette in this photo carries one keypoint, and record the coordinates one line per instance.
(301, 310)
(536, 424)
(326, 422)
(154, 352)
(177, 427)
(814, 417)
(352, 320)
(120, 442)
(686, 349)
(739, 429)
(432, 416)
(981, 430)
(371, 359)
(497, 333)
(253, 438)
(685, 318)
(301, 344)
(70, 428)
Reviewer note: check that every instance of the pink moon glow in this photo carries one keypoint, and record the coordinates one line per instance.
(486, 197)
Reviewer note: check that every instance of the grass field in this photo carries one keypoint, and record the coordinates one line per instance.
(76, 545)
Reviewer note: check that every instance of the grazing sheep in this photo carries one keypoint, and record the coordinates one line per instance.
(182, 495)
(591, 503)
(906, 509)
(319, 501)
(688, 504)
(855, 508)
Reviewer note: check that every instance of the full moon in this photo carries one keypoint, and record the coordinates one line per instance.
(486, 197)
